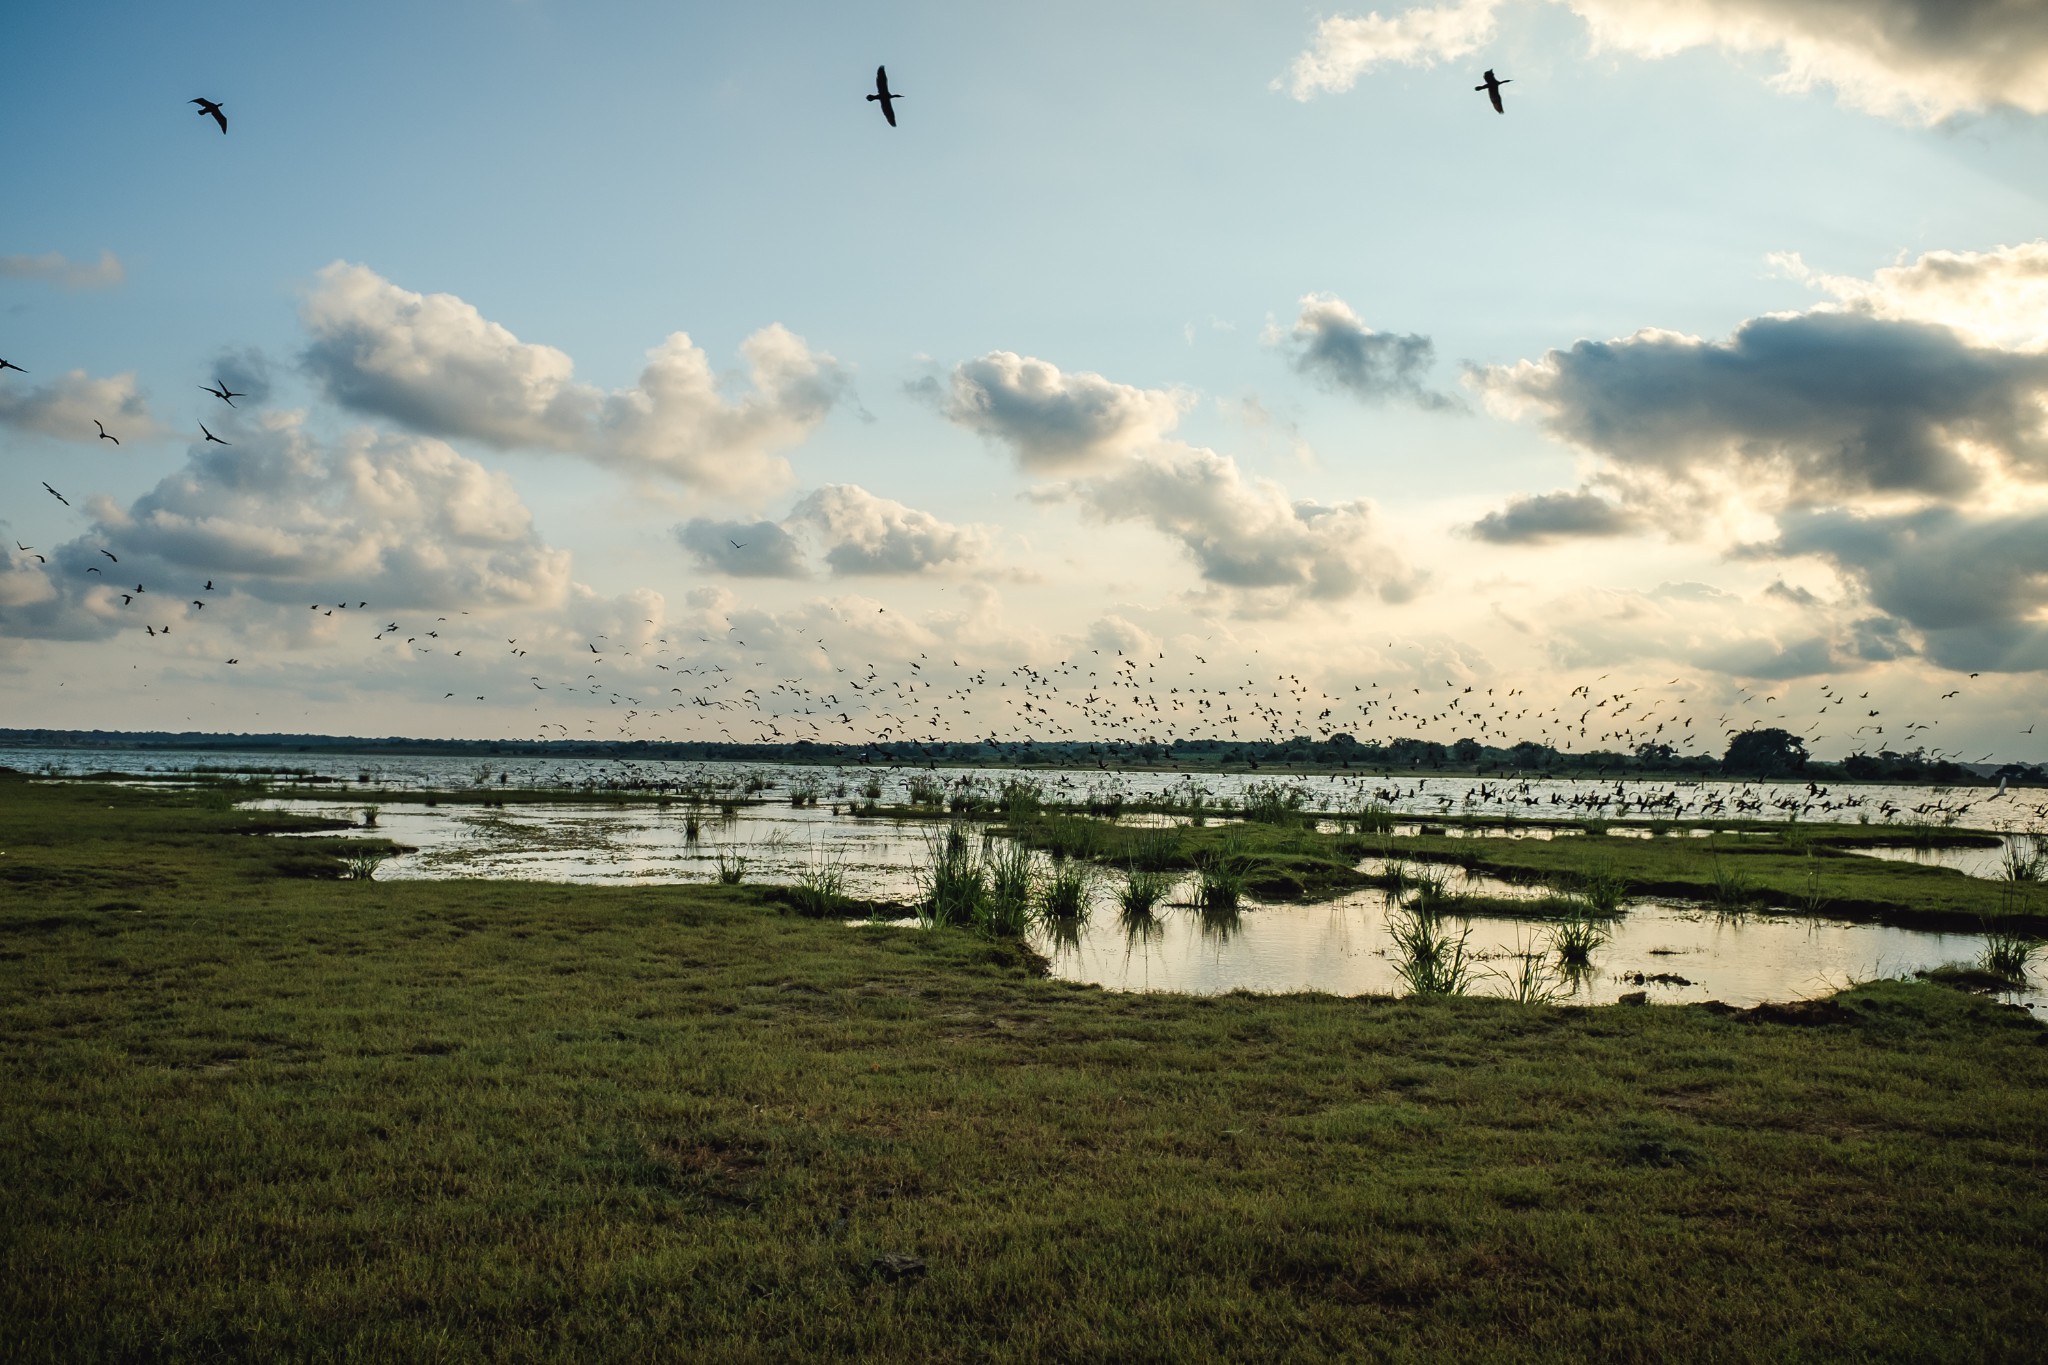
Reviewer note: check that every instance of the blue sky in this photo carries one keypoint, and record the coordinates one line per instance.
(1138, 199)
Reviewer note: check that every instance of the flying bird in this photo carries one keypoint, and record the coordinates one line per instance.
(111, 555)
(1492, 89)
(55, 494)
(10, 365)
(211, 107)
(211, 437)
(103, 432)
(884, 95)
(222, 392)
(735, 544)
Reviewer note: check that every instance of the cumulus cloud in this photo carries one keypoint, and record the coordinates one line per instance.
(1247, 536)
(1546, 517)
(68, 405)
(744, 549)
(865, 534)
(434, 363)
(1820, 405)
(1993, 298)
(1331, 344)
(856, 532)
(1346, 48)
(55, 268)
(245, 371)
(398, 521)
(1915, 60)
(1052, 421)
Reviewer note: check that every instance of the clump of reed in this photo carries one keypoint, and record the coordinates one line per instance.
(1428, 889)
(1811, 898)
(1274, 803)
(360, 865)
(927, 791)
(2008, 952)
(692, 828)
(1369, 817)
(1730, 886)
(1066, 893)
(1532, 980)
(1008, 882)
(952, 884)
(1603, 887)
(1430, 958)
(1141, 891)
(871, 789)
(1153, 850)
(754, 784)
(820, 888)
(732, 865)
(2025, 864)
(1019, 797)
(803, 793)
(1575, 938)
(1219, 878)
(370, 814)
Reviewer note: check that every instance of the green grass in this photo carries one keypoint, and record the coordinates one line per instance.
(252, 1113)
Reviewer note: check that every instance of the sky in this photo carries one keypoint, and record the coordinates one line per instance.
(1162, 354)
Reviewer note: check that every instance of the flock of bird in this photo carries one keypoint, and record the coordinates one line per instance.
(1096, 698)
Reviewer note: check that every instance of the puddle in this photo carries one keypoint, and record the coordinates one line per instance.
(1987, 863)
(1342, 947)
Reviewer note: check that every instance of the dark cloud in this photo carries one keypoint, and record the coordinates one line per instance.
(1546, 517)
(1332, 345)
(1833, 404)
(744, 549)
(244, 371)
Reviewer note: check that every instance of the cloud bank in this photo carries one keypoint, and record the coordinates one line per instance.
(857, 533)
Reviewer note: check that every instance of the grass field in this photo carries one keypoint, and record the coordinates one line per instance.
(248, 1112)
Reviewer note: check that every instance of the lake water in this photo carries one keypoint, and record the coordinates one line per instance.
(1535, 798)
(1340, 946)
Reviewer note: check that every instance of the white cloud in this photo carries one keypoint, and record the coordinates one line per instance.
(865, 534)
(1346, 48)
(1246, 536)
(434, 363)
(1995, 298)
(1914, 60)
(855, 531)
(1053, 421)
(56, 268)
(400, 522)
(68, 405)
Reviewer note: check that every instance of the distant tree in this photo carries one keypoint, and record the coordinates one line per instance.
(1654, 755)
(1466, 751)
(1764, 753)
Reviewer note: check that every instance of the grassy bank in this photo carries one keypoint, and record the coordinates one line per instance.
(252, 1113)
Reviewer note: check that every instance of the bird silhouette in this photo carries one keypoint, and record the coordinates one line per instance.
(211, 107)
(111, 555)
(9, 365)
(55, 494)
(1492, 89)
(884, 95)
(222, 392)
(211, 437)
(103, 432)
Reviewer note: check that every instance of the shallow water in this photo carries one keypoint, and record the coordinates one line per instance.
(1342, 947)
(1339, 946)
(1554, 799)
(1988, 863)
